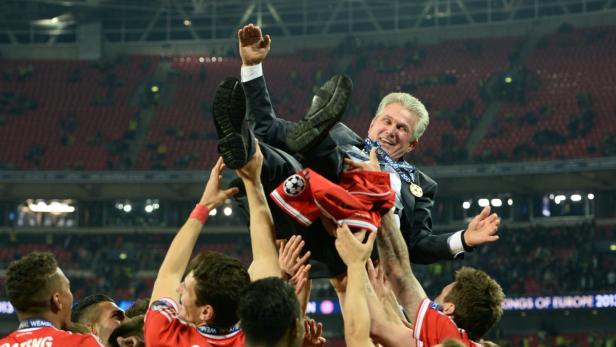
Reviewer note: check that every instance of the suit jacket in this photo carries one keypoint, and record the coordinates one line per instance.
(327, 158)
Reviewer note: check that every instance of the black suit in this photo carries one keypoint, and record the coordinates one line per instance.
(328, 159)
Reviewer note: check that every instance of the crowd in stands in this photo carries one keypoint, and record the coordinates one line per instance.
(252, 289)
(549, 108)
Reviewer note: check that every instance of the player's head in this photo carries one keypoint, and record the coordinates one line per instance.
(37, 287)
(128, 334)
(210, 291)
(99, 313)
(399, 122)
(474, 300)
(270, 314)
(138, 308)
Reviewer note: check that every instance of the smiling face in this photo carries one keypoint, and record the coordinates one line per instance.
(393, 127)
(110, 316)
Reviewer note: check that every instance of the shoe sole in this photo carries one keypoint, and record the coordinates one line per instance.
(307, 132)
(229, 109)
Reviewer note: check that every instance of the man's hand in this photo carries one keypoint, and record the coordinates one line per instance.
(213, 195)
(314, 332)
(482, 229)
(253, 45)
(300, 279)
(288, 255)
(370, 165)
(251, 171)
(350, 246)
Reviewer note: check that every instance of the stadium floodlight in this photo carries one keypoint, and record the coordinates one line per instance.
(510, 202)
(201, 59)
(53, 207)
(551, 196)
(591, 196)
(576, 197)
(466, 205)
(213, 212)
(149, 208)
(496, 202)
(127, 208)
(227, 211)
(187, 22)
(546, 212)
(483, 202)
(559, 198)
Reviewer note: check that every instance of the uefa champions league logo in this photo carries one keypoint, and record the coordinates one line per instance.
(294, 185)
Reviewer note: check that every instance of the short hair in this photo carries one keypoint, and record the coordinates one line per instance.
(268, 309)
(85, 310)
(128, 328)
(413, 105)
(220, 282)
(138, 308)
(478, 299)
(30, 282)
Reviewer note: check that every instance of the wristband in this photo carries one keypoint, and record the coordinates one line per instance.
(200, 213)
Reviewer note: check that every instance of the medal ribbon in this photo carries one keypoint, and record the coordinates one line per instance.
(405, 170)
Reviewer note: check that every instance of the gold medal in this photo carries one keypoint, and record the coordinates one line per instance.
(416, 190)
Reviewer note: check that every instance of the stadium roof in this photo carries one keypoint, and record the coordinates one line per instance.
(25, 21)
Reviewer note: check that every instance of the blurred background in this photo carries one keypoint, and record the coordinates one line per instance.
(106, 136)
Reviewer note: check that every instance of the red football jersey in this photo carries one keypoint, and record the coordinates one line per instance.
(48, 336)
(433, 327)
(163, 327)
(358, 199)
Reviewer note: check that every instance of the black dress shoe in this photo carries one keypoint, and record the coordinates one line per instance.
(327, 108)
(236, 142)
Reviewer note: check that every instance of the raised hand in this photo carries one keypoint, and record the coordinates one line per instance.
(350, 246)
(314, 332)
(214, 195)
(370, 165)
(253, 45)
(288, 255)
(482, 229)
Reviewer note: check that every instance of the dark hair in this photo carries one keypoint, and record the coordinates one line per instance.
(138, 308)
(82, 311)
(128, 328)
(220, 282)
(30, 282)
(478, 299)
(268, 309)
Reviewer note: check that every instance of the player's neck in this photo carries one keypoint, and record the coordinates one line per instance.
(48, 316)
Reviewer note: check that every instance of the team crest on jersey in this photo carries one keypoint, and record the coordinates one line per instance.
(294, 185)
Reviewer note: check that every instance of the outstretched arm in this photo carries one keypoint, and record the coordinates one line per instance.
(175, 262)
(395, 261)
(262, 237)
(355, 254)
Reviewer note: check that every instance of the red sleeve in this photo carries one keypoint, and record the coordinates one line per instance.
(433, 327)
(161, 320)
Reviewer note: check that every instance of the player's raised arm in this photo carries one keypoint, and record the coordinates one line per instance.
(394, 257)
(355, 254)
(177, 257)
(262, 237)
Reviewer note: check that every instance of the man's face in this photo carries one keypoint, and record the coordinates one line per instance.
(394, 128)
(65, 297)
(110, 316)
(440, 299)
(189, 310)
